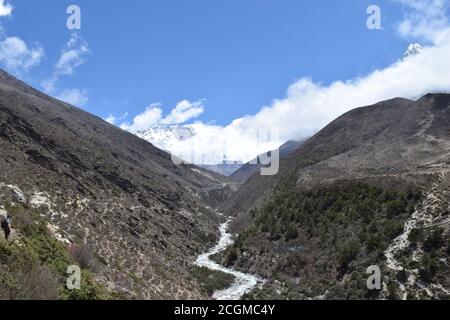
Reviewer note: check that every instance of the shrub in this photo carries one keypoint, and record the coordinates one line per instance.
(434, 241)
(415, 236)
(231, 257)
(82, 255)
(347, 254)
(428, 269)
(291, 233)
(34, 266)
(394, 207)
(212, 281)
(23, 277)
(392, 291)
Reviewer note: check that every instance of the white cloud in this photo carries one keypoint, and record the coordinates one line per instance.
(73, 55)
(17, 56)
(148, 119)
(111, 119)
(426, 19)
(183, 112)
(114, 120)
(5, 9)
(74, 97)
(49, 85)
(153, 116)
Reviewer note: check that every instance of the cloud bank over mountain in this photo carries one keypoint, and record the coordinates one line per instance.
(309, 105)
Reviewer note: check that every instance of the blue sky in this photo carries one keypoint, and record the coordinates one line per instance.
(226, 68)
(237, 55)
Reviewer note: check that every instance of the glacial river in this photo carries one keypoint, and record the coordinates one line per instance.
(244, 282)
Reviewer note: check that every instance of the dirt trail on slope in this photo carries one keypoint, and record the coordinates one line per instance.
(428, 214)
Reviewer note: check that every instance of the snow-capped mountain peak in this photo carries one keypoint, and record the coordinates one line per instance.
(413, 50)
(162, 133)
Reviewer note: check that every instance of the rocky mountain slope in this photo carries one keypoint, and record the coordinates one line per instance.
(225, 169)
(252, 167)
(369, 189)
(143, 218)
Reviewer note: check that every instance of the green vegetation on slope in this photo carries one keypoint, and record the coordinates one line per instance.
(322, 240)
(34, 264)
(212, 281)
